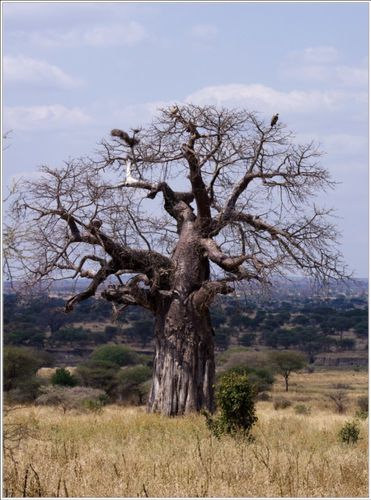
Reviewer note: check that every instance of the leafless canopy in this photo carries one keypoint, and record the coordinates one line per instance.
(244, 187)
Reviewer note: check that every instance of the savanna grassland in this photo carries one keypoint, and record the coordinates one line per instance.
(124, 452)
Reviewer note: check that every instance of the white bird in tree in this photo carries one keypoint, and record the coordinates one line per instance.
(129, 178)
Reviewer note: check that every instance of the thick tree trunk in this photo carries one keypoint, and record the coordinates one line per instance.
(184, 368)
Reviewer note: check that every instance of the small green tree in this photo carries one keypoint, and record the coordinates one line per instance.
(120, 355)
(98, 374)
(63, 377)
(286, 362)
(19, 372)
(131, 382)
(236, 400)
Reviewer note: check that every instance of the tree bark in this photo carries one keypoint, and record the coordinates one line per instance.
(184, 367)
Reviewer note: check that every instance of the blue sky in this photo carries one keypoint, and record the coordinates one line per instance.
(73, 71)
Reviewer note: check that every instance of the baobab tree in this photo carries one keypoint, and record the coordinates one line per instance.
(169, 216)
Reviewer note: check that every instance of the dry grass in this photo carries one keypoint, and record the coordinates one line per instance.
(124, 452)
(313, 388)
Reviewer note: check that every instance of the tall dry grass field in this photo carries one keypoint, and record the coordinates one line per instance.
(124, 452)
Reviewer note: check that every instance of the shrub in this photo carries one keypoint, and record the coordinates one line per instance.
(69, 398)
(281, 403)
(63, 377)
(301, 409)
(19, 373)
(260, 379)
(235, 399)
(131, 382)
(349, 433)
(120, 355)
(20, 363)
(98, 374)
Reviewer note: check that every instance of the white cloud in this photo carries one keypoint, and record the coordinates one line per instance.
(43, 117)
(316, 55)
(353, 75)
(22, 69)
(321, 65)
(267, 99)
(204, 32)
(108, 35)
(129, 34)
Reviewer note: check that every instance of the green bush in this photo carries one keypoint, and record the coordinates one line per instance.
(19, 363)
(260, 379)
(20, 367)
(349, 433)
(131, 383)
(63, 377)
(120, 355)
(236, 403)
(98, 374)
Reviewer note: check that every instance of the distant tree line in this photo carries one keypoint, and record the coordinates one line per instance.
(311, 326)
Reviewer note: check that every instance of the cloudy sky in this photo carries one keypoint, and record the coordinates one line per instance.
(73, 71)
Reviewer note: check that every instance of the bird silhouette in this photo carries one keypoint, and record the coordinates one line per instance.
(130, 141)
(274, 120)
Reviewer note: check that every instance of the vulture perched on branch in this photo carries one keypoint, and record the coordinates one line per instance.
(274, 120)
